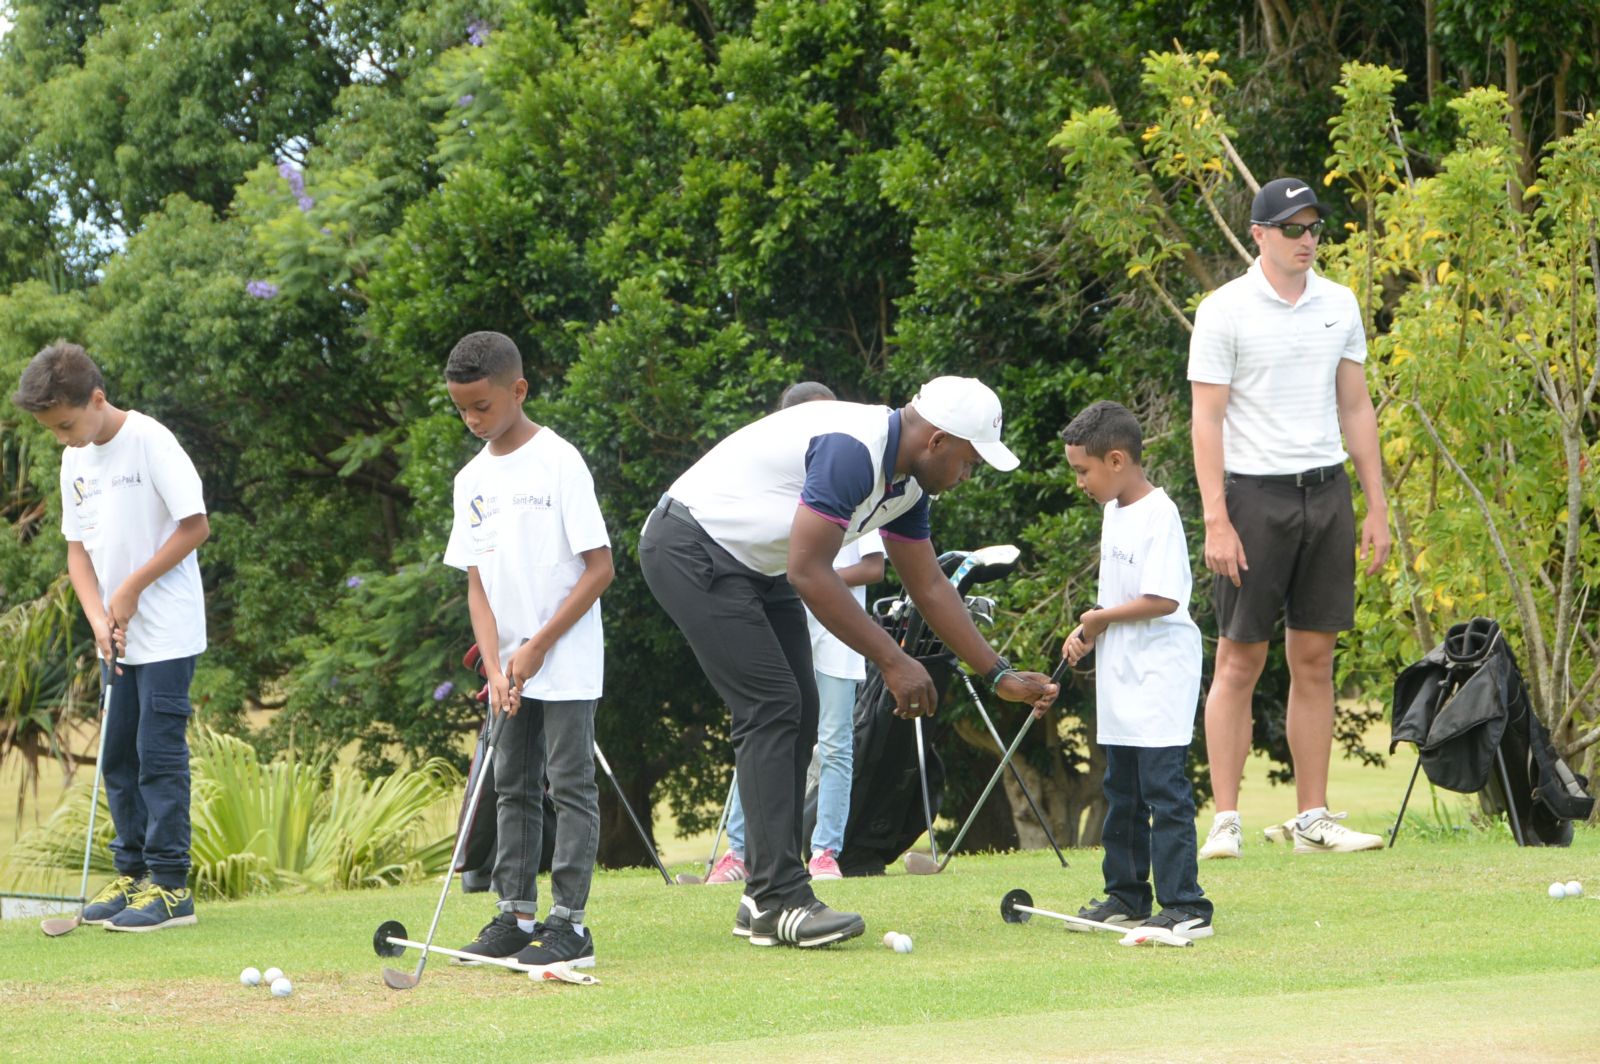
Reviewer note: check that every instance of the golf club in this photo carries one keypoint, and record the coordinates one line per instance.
(390, 941)
(918, 863)
(626, 808)
(1017, 907)
(397, 980)
(1027, 794)
(57, 926)
(689, 878)
(922, 773)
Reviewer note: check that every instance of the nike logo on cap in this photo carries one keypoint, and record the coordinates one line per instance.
(1297, 191)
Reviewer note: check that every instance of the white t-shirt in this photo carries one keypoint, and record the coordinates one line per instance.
(1146, 673)
(836, 459)
(829, 654)
(1279, 360)
(123, 500)
(522, 520)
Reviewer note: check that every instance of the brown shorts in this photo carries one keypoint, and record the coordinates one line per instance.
(1300, 544)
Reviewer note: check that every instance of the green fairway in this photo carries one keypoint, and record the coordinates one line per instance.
(1433, 950)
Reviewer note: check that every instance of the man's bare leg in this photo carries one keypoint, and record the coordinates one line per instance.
(1233, 684)
(1310, 718)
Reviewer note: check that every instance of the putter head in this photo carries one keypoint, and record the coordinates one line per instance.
(689, 879)
(57, 926)
(1008, 906)
(380, 938)
(398, 980)
(920, 864)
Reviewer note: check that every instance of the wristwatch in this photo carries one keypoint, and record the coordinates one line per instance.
(1001, 667)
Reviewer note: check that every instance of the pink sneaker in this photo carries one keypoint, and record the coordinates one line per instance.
(825, 866)
(728, 869)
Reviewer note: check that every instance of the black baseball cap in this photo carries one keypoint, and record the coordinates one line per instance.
(1283, 198)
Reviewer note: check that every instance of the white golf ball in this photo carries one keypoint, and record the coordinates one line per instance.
(889, 937)
(902, 944)
(1573, 889)
(1558, 891)
(281, 987)
(250, 977)
(271, 975)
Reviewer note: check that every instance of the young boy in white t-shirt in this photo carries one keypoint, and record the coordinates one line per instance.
(132, 513)
(529, 534)
(1146, 680)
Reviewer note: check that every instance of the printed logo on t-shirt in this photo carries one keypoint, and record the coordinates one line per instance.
(83, 489)
(485, 536)
(526, 501)
(127, 480)
(1117, 554)
(86, 493)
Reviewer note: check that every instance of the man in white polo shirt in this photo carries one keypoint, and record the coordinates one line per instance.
(745, 541)
(1276, 370)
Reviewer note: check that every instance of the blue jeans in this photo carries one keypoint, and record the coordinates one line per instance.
(146, 770)
(834, 762)
(1150, 821)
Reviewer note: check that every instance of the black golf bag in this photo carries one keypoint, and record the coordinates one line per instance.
(886, 812)
(1465, 707)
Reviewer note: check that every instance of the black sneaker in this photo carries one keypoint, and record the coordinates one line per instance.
(1110, 911)
(500, 937)
(112, 899)
(741, 919)
(1181, 922)
(557, 944)
(806, 926)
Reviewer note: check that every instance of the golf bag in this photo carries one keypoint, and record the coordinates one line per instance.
(1467, 711)
(886, 813)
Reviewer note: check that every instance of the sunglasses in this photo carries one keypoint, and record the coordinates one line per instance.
(1295, 230)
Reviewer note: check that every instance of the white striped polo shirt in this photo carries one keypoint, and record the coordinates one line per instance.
(1279, 360)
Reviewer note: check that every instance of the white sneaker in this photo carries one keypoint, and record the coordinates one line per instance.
(1326, 835)
(1224, 839)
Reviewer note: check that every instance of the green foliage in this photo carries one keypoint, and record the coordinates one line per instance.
(293, 824)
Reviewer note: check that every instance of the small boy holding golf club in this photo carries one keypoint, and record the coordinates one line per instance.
(133, 514)
(528, 531)
(1147, 680)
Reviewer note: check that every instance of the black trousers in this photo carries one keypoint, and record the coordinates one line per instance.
(749, 633)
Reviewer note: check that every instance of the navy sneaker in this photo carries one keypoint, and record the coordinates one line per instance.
(500, 937)
(1109, 911)
(557, 944)
(807, 926)
(154, 908)
(112, 899)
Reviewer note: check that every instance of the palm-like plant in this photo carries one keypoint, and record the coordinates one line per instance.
(290, 824)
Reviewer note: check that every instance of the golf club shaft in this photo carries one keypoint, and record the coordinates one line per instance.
(23, 895)
(1167, 937)
(984, 797)
(995, 735)
(461, 840)
(922, 772)
(503, 962)
(107, 674)
(722, 821)
(626, 808)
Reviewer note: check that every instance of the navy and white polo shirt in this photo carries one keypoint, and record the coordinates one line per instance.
(836, 459)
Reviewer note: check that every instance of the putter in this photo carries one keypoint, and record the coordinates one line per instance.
(397, 980)
(916, 862)
(689, 878)
(927, 806)
(626, 808)
(60, 925)
(995, 735)
(1017, 907)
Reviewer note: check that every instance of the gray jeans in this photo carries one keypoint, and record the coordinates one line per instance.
(553, 740)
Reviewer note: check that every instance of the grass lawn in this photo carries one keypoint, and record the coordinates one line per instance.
(1430, 951)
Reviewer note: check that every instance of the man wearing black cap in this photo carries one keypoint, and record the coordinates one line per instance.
(750, 532)
(1276, 369)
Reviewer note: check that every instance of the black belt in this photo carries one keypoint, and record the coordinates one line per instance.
(1306, 478)
(673, 508)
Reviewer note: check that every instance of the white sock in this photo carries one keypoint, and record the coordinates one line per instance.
(1226, 815)
(1305, 819)
(578, 929)
(525, 926)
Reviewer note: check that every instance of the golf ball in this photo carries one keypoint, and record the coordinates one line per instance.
(1558, 891)
(281, 987)
(271, 975)
(1573, 889)
(902, 943)
(250, 977)
(889, 937)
